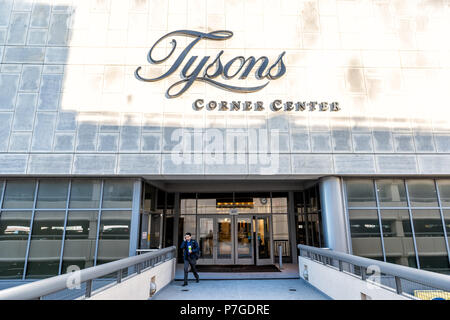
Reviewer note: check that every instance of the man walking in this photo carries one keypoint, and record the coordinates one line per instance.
(190, 255)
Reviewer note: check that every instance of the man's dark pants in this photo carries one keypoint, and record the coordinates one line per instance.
(189, 261)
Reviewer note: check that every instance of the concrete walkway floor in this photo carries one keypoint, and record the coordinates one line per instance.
(274, 289)
(288, 271)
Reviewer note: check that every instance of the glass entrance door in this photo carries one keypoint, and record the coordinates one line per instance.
(225, 239)
(228, 239)
(216, 239)
(263, 236)
(206, 240)
(244, 240)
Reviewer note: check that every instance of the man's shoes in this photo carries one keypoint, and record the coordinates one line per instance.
(184, 284)
(197, 280)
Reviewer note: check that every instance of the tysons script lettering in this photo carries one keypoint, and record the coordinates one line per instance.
(207, 72)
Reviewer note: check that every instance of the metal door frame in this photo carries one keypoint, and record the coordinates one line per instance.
(233, 239)
(260, 262)
(201, 260)
(236, 256)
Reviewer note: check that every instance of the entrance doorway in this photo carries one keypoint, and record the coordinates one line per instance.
(235, 239)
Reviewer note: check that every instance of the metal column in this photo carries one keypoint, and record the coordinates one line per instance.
(135, 215)
(176, 220)
(292, 227)
(333, 214)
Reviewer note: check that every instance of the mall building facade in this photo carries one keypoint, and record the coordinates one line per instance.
(254, 125)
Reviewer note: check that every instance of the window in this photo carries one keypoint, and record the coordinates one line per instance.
(391, 193)
(19, 194)
(365, 232)
(360, 193)
(420, 244)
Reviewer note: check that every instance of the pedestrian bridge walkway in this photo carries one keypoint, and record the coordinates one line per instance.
(288, 271)
(269, 289)
(322, 274)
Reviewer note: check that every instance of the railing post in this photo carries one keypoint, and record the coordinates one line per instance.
(280, 255)
(119, 276)
(398, 285)
(341, 266)
(363, 273)
(138, 268)
(88, 292)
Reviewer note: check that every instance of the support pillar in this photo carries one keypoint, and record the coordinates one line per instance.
(333, 214)
(292, 227)
(135, 216)
(176, 221)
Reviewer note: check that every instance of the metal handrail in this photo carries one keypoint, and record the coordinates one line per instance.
(41, 288)
(423, 277)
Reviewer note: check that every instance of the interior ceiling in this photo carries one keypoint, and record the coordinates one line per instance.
(232, 185)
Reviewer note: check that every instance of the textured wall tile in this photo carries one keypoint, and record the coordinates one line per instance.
(18, 28)
(424, 142)
(362, 142)
(56, 55)
(44, 128)
(94, 164)
(269, 164)
(363, 164)
(50, 92)
(3, 33)
(8, 89)
(300, 141)
(228, 164)
(139, 163)
(151, 122)
(24, 113)
(278, 122)
(23, 5)
(37, 37)
(383, 141)
(86, 137)
(311, 164)
(24, 55)
(31, 75)
(5, 12)
(403, 143)
(108, 142)
(20, 142)
(53, 69)
(5, 128)
(67, 121)
(341, 141)
(320, 142)
(396, 164)
(279, 143)
(151, 142)
(442, 142)
(57, 34)
(40, 16)
(64, 142)
(172, 137)
(50, 164)
(11, 68)
(434, 164)
(130, 138)
(182, 164)
(13, 163)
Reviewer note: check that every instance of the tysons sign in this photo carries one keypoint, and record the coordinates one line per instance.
(207, 72)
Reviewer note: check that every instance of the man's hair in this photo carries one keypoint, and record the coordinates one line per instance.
(188, 234)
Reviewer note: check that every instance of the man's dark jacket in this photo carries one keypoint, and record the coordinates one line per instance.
(195, 249)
